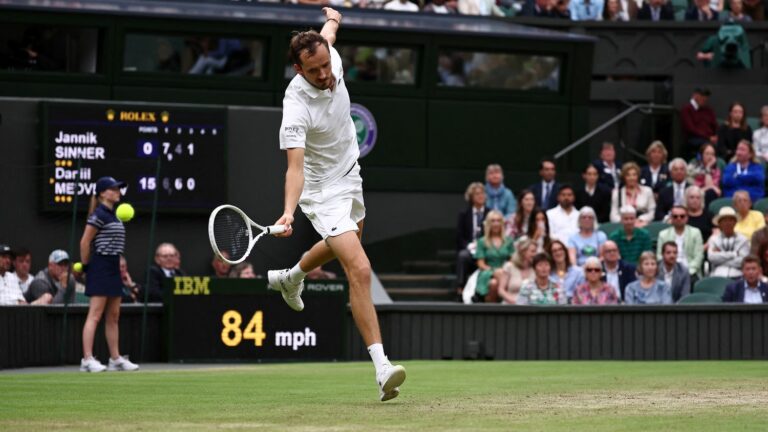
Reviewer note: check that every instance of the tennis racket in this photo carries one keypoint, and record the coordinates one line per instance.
(232, 233)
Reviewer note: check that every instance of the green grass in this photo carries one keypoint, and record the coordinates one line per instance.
(450, 395)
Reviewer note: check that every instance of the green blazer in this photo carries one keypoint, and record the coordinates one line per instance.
(694, 247)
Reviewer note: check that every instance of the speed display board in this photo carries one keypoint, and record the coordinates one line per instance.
(126, 141)
(240, 320)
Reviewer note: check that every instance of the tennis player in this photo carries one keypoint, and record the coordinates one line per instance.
(323, 178)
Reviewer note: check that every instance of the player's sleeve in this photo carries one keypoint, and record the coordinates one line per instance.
(293, 129)
(336, 65)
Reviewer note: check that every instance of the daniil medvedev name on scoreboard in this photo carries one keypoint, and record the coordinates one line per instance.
(85, 141)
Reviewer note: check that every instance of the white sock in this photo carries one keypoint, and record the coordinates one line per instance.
(296, 274)
(377, 355)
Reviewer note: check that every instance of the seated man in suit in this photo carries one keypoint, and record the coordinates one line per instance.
(167, 265)
(618, 273)
(656, 10)
(749, 289)
(672, 194)
(673, 273)
(594, 195)
(701, 11)
(469, 228)
(547, 189)
(607, 167)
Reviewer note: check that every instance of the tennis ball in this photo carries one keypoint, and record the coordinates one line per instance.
(78, 267)
(125, 212)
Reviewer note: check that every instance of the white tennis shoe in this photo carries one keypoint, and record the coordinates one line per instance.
(390, 378)
(91, 365)
(278, 281)
(122, 364)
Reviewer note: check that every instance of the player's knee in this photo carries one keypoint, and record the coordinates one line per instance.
(360, 269)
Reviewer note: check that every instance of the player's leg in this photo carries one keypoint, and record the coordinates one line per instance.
(95, 311)
(320, 254)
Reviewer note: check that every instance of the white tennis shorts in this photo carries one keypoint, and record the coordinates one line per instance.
(337, 207)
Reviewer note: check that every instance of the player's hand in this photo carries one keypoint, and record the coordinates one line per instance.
(331, 13)
(287, 220)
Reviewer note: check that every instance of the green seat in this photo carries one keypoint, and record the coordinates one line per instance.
(654, 228)
(754, 122)
(719, 203)
(714, 285)
(609, 227)
(761, 205)
(699, 298)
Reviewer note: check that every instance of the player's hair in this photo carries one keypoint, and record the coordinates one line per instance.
(305, 41)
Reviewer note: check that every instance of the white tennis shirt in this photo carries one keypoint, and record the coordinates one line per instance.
(320, 122)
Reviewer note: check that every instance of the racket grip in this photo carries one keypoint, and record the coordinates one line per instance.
(276, 229)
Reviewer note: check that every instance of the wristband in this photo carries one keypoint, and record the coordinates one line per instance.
(334, 19)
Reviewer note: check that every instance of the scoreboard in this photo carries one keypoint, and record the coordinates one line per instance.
(84, 141)
(240, 320)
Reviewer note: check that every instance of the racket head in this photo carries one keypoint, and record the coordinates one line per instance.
(230, 234)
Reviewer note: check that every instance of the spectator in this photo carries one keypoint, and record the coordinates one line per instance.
(220, 267)
(698, 215)
(618, 273)
(655, 174)
(498, 196)
(468, 229)
(131, 290)
(404, 6)
(656, 10)
(688, 239)
(10, 292)
(316, 273)
(698, 121)
(564, 273)
(541, 290)
(22, 261)
(439, 7)
(594, 291)
(760, 136)
(563, 9)
(54, 282)
(614, 10)
(732, 131)
(540, 8)
(518, 223)
(594, 195)
(648, 289)
(674, 274)
(674, 193)
(493, 250)
(727, 248)
(735, 13)
(705, 172)
(166, 266)
(539, 232)
(632, 241)
(479, 7)
(516, 271)
(633, 194)
(749, 289)
(244, 270)
(759, 239)
(701, 11)
(546, 191)
(755, 9)
(607, 166)
(744, 173)
(586, 10)
(749, 220)
(585, 243)
(563, 219)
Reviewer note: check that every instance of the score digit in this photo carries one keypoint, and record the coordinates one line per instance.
(254, 330)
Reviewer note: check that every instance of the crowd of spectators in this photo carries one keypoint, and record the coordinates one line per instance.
(575, 10)
(647, 229)
(59, 283)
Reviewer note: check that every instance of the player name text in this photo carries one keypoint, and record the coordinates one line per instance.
(84, 138)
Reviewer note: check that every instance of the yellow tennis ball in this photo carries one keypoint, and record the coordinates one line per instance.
(78, 267)
(125, 212)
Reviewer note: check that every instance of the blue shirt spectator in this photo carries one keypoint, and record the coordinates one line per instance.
(744, 173)
(657, 293)
(498, 196)
(586, 10)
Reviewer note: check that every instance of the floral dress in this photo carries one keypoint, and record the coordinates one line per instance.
(494, 257)
(531, 294)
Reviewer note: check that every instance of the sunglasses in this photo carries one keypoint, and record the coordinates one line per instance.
(679, 216)
(593, 270)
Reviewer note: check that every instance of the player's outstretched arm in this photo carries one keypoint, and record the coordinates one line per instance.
(294, 184)
(332, 23)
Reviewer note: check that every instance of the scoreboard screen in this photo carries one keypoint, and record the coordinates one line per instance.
(85, 141)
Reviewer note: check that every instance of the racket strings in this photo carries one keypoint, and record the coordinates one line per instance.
(231, 233)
